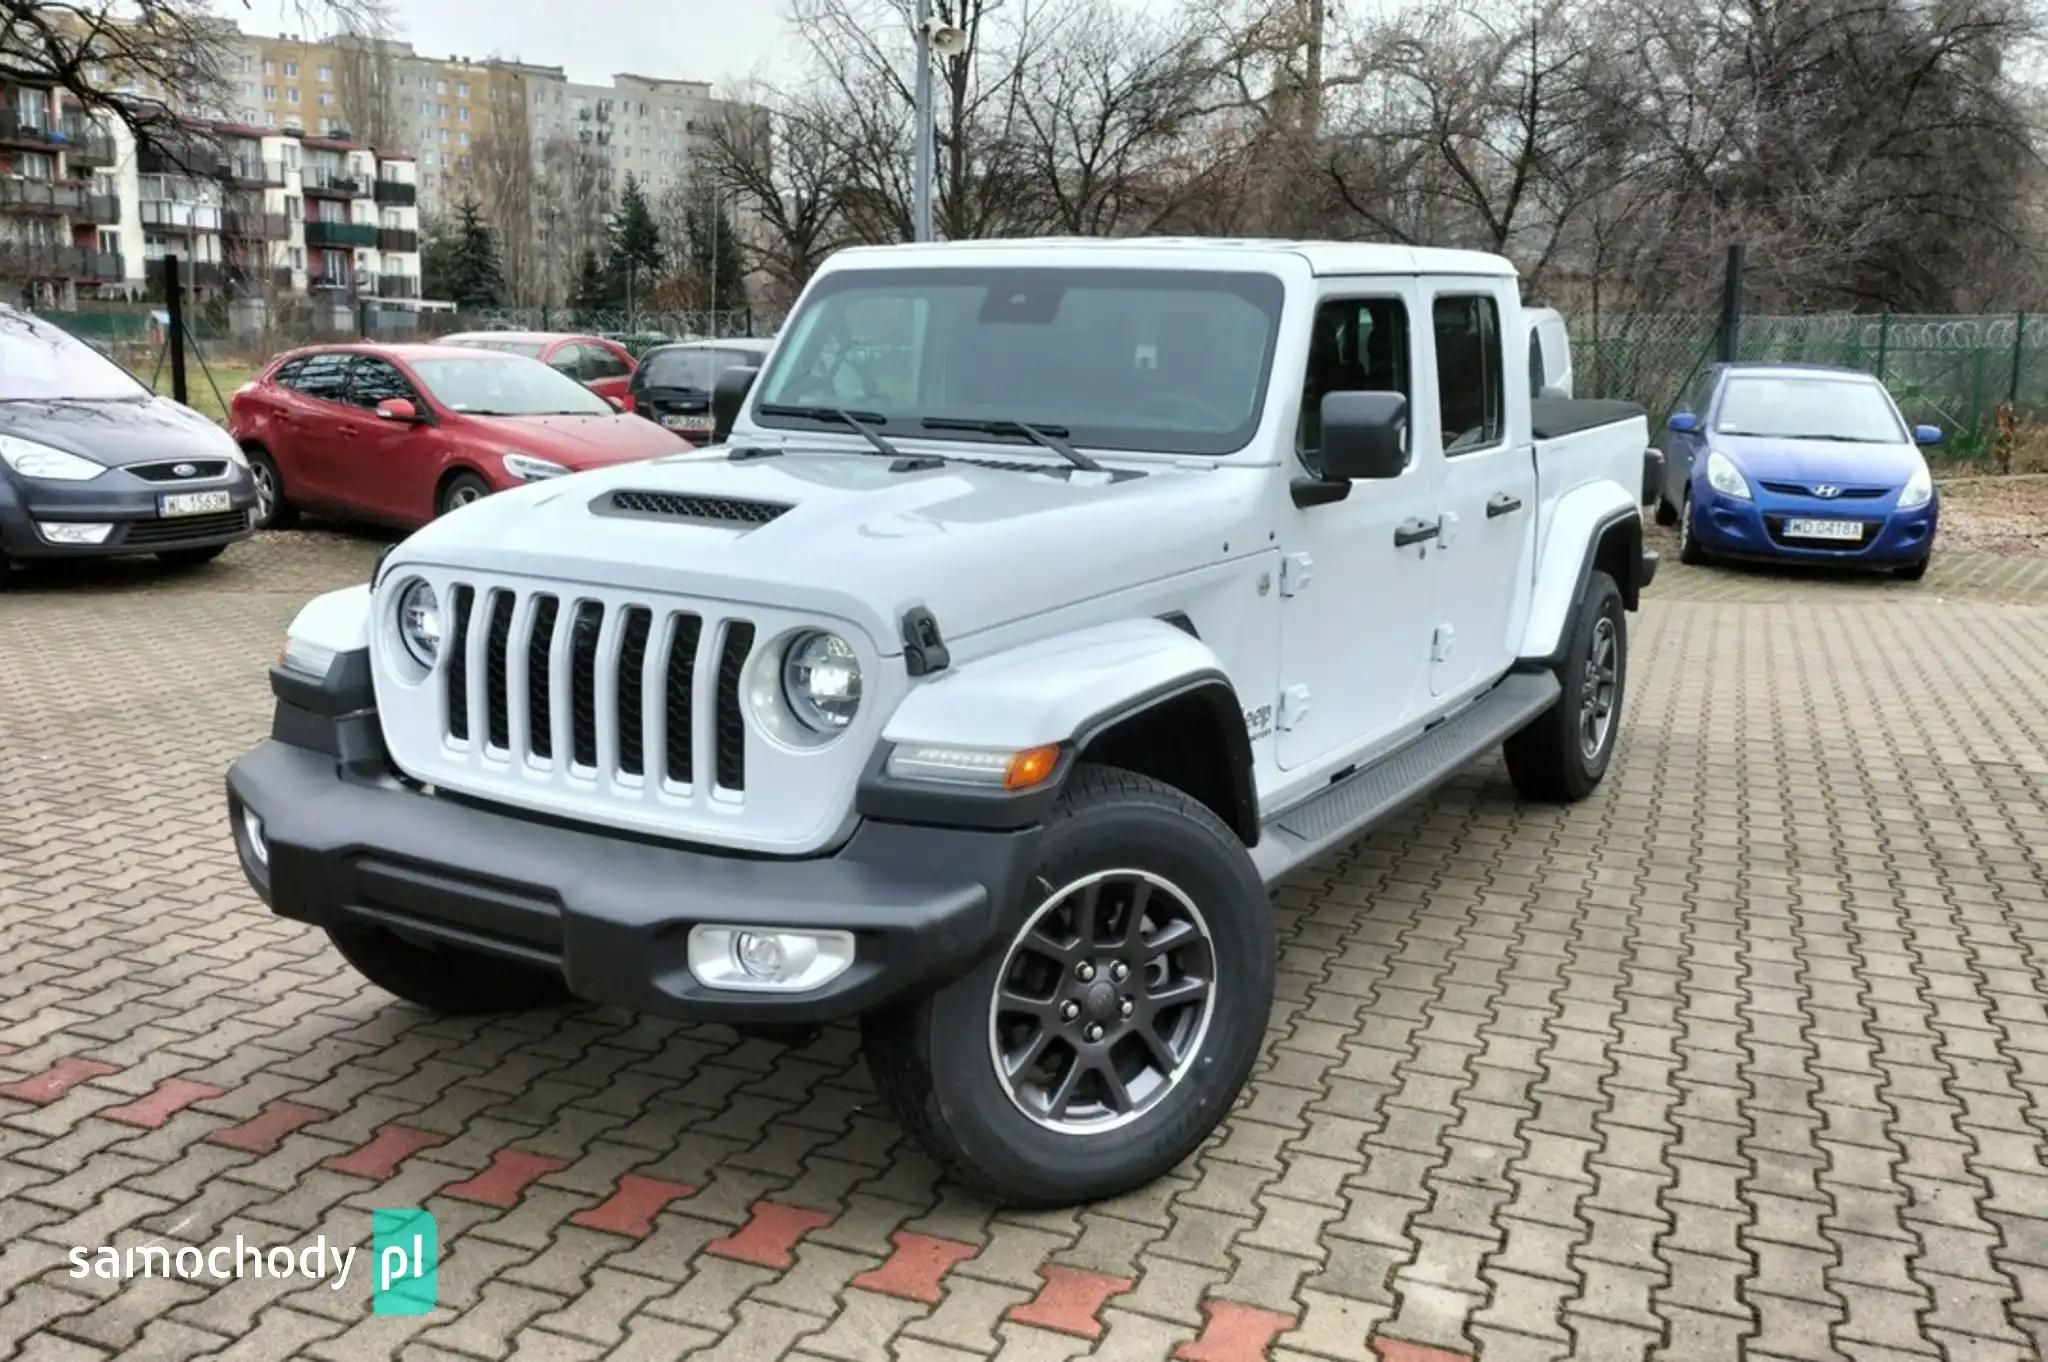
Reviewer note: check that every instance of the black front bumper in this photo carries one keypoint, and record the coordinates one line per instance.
(130, 503)
(350, 843)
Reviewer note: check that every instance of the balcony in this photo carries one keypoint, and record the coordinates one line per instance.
(397, 193)
(320, 233)
(171, 215)
(334, 184)
(42, 196)
(39, 260)
(25, 130)
(391, 285)
(86, 146)
(253, 173)
(255, 226)
(102, 208)
(181, 159)
(397, 239)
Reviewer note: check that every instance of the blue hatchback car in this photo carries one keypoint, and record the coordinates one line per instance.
(1798, 463)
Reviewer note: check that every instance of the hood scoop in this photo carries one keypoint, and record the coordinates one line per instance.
(704, 510)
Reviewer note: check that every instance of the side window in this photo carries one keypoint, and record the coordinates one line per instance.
(1698, 394)
(1537, 376)
(600, 362)
(323, 376)
(1357, 345)
(288, 375)
(568, 360)
(376, 381)
(1468, 371)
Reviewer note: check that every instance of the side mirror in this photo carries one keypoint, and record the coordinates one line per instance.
(1927, 435)
(1684, 422)
(1365, 435)
(398, 409)
(728, 394)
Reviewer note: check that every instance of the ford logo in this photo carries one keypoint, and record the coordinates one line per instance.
(1827, 491)
(184, 470)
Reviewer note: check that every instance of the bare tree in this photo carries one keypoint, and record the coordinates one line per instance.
(364, 79)
(506, 178)
(787, 165)
(574, 198)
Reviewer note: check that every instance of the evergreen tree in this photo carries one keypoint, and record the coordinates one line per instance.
(714, 257)
(590, 295)
(632, 243)
(463, 265)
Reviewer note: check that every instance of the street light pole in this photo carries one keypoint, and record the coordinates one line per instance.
(921, 218)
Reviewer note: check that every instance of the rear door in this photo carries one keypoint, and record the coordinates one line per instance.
(1357, 585)
(1486, 541)
(309, 448)
(388, 465)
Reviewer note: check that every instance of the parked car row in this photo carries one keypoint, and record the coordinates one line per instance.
(94, 464)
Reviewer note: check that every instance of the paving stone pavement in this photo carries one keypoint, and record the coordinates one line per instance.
(1747, 1055)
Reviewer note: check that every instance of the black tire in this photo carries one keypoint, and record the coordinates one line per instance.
(1689, 550)
(191, 558)
(460, 491)
(273, 510)
(1553, 758)
(449, 981)
(936, 1059)
(1665, 515)
(1913, 572)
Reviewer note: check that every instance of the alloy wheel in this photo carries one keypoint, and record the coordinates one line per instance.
(1596, 688)
(1102, 1002)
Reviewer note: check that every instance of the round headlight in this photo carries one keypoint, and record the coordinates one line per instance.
(821, 681)
(419, 622)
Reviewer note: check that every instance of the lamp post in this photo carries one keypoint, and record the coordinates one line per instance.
(933, 35)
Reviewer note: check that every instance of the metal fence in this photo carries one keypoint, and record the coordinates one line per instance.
(1952, 372)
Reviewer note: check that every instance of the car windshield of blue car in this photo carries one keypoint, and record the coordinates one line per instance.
(41, 363)
(1850, 410)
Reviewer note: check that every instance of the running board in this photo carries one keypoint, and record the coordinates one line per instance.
(1366, 797)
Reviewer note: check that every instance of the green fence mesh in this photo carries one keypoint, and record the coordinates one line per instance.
(1952, 372)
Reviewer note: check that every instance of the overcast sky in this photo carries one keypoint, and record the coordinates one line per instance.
(717, 40)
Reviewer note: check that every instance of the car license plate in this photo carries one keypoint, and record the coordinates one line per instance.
(192, 503)
(687, 422)
(1850, 531)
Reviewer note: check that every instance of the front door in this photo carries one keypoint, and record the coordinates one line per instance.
(1356, 604)
(1487, 543)
(389, 470)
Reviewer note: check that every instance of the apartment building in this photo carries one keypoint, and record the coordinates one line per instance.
(52, 217)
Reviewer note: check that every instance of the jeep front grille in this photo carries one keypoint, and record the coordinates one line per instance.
(570, 675)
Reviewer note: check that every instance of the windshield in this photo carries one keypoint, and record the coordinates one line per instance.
(1851, 409)
(506, 385)
(531, 349)
(694, 368)
(39, 361)
(1166, 360)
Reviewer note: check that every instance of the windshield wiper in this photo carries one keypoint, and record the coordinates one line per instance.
(1050, 437)
(858, 420)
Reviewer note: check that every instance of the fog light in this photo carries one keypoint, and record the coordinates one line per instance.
(252, 829)
(768, 959)
(74, 531)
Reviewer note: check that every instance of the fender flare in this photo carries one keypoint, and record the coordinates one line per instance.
(1070, 690)
(1581, 523)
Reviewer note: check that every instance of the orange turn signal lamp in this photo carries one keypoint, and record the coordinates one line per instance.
(1003, 768)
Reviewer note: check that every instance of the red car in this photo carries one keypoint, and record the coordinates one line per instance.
(403, 433)
(605, 367)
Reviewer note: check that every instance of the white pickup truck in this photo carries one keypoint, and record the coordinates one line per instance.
(1047, 603)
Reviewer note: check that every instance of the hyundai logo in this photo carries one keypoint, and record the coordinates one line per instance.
(184, 470)
(1827, 491)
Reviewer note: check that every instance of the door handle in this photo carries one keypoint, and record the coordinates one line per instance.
(1502, 504)
(1416, 532)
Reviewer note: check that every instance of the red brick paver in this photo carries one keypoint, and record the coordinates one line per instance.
(769, 1238)
(379, 1158)
(1070, 1301)
(53, 1082)
(631, 1209)
(511, 1172)
(1234, 1333)
(917, 1269)
(262, 1133)
(166, 1100)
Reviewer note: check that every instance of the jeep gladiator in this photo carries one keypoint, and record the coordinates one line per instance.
(1046, 603)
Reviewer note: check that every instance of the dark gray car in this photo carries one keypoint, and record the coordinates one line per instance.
(93, 464)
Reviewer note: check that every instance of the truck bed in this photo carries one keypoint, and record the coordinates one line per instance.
(1551, 417)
